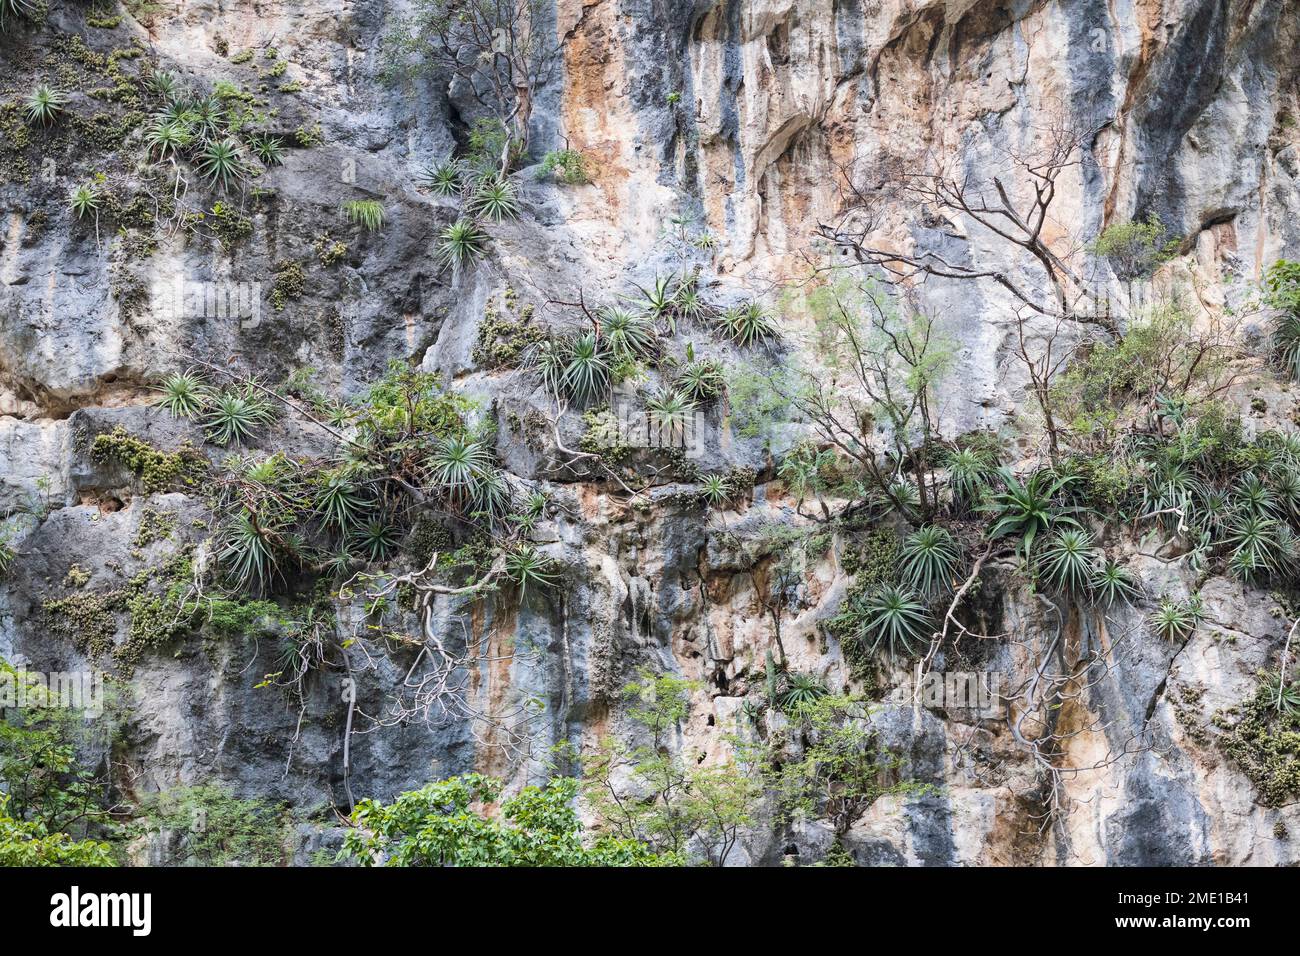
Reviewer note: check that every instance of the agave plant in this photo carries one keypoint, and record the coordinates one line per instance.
(176, 111)
(895, 622)
(84, 200)
(44, 104)
(167, 138)
(715, 490)
(340, 503)
(265, 471)
(904, 497)
(267, 148)
(1286, 343)
(1254, 497)
(183, 394)
(1174, 620)
(461, 243)
(929, 558)
(629, 335)
(527, 567)
(221, 161)
(801, 692)
(233, 416)
(1281, 694)
(164, 83)
(457, 464)
(548, 357)
(13, 8)
(586, 369)
(443, 179)
(208, 116)
(1256, 549)
(688, 301)
(495, 198)
(492, 497)
(1111, 583)
(249, 551)
(747, 324)
(658, 300)
(970, 473)
(670, 410)
(1026, 508)
(376, 539)
(1067, 560)
(701, 379)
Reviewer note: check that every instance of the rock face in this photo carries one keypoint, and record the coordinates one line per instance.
(746, 121)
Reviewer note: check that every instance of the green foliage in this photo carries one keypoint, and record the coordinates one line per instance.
(369, 214)
(627, 334)
(84, 199)
(1160, 355)
(159, 471)
(800, 692)
(1112, 583)
(1176, 620)
(219, 829)
(1135, 249)
(894, 622)
(586, 369)
(747, 324)
(1282, 292)
(701, 379)
(183, 394)
(527, 567)
(461, 243)
(221, 162)
(1067, 561)
(971, 471)
(566, 165)
(1264, 742)
(1028, 508)
(670, 409)
(14, 8)
(29, 843)
(270, 150)
(840, 770)
(680, 805)
(251, 549)
(44, 104)
(930, 557)
(376, 539)
(443, 179)
(234, 415)
(442, 825)
(494, 198)
(50, 803)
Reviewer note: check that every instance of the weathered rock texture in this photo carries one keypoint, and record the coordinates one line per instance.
(745, 117)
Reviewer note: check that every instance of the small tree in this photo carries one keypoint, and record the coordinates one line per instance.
(445, 824)
(650, 795)
(878, 368)
(499, 48)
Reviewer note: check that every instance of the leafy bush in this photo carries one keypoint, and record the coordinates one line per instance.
(567, 165)
(441, 825)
